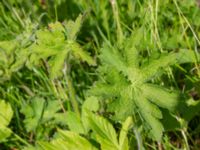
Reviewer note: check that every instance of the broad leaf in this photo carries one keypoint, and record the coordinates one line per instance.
(33, 113)
(67, 140)
(105, 133)
(39, 111)
(90, 104)
(5, 132)
(6, 114)
(74, 122)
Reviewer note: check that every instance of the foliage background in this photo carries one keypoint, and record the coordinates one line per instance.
(74, 71)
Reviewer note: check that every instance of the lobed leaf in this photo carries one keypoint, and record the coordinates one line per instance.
(73, 28)
(112, 57)
(165, 60)
(161, 96)
(79, 53)
(151, 117)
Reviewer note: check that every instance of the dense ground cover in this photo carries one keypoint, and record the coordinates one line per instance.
(91, 74)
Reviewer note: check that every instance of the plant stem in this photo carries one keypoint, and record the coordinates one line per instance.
(20, 139)
(71, 90)
(185, 139)
(117, 20)
(72, 95)
(138, 139)
(159, 146)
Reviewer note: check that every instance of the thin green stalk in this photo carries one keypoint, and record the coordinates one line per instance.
(21, 140)
(180, 13)
(71, 90)
(57, 93)
(138, 139)
(56, 12)
(15, 13)
(154, 24)
(117, 20)
(72, 95)
(62, 93)
(185, 139)
(18, 17)
(186, 20)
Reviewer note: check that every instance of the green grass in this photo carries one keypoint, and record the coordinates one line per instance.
(109, 75)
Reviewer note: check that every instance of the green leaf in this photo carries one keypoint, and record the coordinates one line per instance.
(33, 113)
(108, 52)
(39, 111)
(75, 141)
(9, 62)
(31, 148)
(60, 118)
(191, 109)
(130, 49)
(90, 104)
(8, 46)
(105, 133)
(151, 115)
(51, 109)
(73, 28)
(170, 121)
(74, 122)
(67, 140)
(6, 114)
(49, 146)
(4, 133)
(50, 44)
(165, 60)
(21, 56)
(117, 106)
(161, 96)
(79, 53)
(56, 63)
(123, 140)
